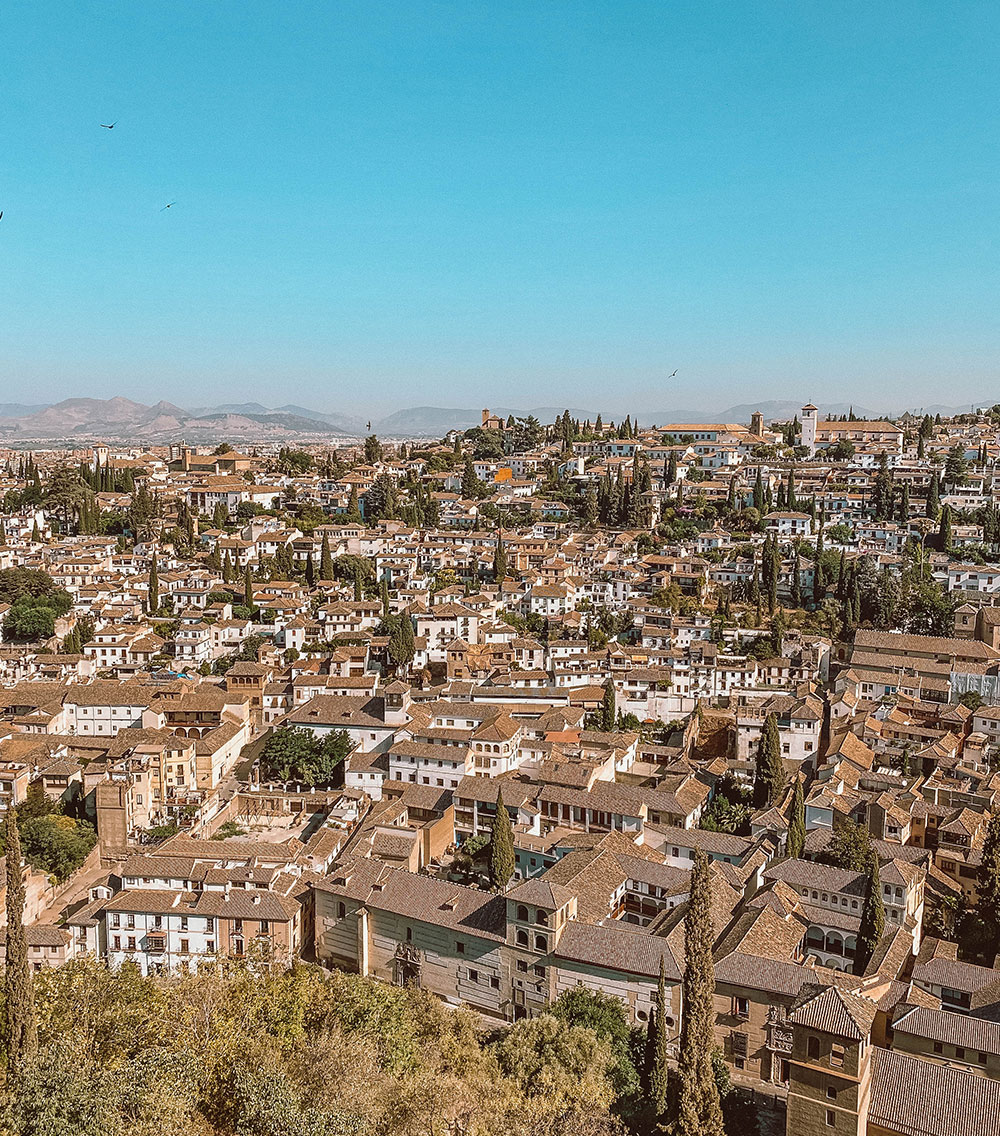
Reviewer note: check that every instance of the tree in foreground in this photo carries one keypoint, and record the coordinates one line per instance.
(769, 773)
(699, 1110)
(501, 847)
(988, 879)
(872, 918)
(659, 1069)
(20, 1036)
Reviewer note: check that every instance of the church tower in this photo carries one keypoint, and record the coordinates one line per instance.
(810, 420)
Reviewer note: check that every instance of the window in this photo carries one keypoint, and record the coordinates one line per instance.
(409, 934)
(541, 943)
(831, 1092)
(959, 1053)
(938, 1047)
(460, 947)
(341, 910)
(473, 975)
(184, 923)
(238, 926)
(522, 913)
(495, 982)
(831, 1118)
(210, 946)
(836, 1055)
(812, 1047)
(522, 938)
(116, 943)
(131, 942)
(522, 966)
(539, 971)
(542, 918)
(184, 946)
(741, 1007)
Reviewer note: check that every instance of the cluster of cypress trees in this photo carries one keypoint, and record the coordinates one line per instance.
(619, 501)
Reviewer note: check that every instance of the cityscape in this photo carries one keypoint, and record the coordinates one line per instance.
(553, 721)
(499, 569)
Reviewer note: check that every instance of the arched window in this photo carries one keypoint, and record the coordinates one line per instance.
(542, 918)
(522, 938)
(541, 943)
(522, 913)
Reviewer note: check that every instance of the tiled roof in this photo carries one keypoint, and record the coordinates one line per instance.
(835, 1011)
(919, 1098)
(615, 948)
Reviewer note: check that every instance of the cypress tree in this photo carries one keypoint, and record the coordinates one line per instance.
(988, 879)
(699, 1111)
(20, 1032)
(659, 1071)
(310, 570)
(758, 493)
(500, 559)
(933, 508)
(608, 712)
(154, 587)
(731, 496)
(247, 587)
(944, 529)
(790, 492)
(501, 847)
(769, 773)
(872, 918)
(797, 822)
(353, 509)
(36, 536)
(671, 468)
(325, 560)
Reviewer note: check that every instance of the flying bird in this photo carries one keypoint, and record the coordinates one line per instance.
(671, 376)
(110, 125)
(1, 214)
(167, 206)
(368, 427)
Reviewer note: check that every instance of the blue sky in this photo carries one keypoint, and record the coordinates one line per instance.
(392, 204)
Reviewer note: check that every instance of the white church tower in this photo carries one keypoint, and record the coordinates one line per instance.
(810, 418)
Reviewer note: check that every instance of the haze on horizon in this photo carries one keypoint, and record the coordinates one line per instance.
(458, 204)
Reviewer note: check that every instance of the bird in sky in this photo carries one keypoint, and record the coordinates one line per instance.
(1, 214)
(110, 125)
(167, 206)
(671, 376)
(368, 427)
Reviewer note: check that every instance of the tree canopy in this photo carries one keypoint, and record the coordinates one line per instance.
(294, 754)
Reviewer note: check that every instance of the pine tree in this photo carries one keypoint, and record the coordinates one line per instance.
(797, 822)
(769, 773)
(20, 1033)
(699, 1111)
(325, 560)
(988, 879)
(154, 587)
(872, 918)
(501, 847)
(659, 1068)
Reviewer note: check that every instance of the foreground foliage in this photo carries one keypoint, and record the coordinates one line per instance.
(231, 1053)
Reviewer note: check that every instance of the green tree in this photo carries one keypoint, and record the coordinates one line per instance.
(20, 1034)
(797, 822)
(373, 450)
(769, 772)
(500, 559)
(988, 879)
(501, 847)
(850, 846)
(699, 1110)
(944, 529)
(933, 507)
(295, 754)
(872, 918)
(659, 1073)
(247, 587)
(57, 844)
(604, 1014)
(153, 602)
(608, 713)
(325, 559)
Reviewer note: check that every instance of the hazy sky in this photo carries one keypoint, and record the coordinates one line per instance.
(391, 204)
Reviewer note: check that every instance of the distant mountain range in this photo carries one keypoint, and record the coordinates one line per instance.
(84, 419)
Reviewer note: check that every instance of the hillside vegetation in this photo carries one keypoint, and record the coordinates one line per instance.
(228, 1052)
